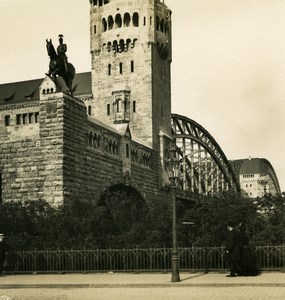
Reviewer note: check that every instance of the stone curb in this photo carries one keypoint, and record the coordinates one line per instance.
(136, 285)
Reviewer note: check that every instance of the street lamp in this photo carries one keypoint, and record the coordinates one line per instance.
(172, 167)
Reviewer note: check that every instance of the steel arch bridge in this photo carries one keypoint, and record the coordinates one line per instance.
(272, 175)
(205, 169)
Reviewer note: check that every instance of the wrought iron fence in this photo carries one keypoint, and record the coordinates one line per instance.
(135, 260)
(271, 257)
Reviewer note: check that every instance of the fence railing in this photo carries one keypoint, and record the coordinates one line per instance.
(135, 260)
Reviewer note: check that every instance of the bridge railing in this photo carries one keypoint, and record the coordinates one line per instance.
(135, 260)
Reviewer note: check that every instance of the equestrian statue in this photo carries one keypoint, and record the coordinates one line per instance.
(58, 63)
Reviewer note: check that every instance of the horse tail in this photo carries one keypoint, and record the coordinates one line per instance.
(68, 78)
(71, 70)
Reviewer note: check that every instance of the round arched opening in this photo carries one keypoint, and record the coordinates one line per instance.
(123, 209)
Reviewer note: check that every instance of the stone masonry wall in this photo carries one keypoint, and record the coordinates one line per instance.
(57, 161)
(90, 168)
(31, 162)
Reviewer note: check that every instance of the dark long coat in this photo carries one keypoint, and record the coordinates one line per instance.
(2, 255)
(232, 246)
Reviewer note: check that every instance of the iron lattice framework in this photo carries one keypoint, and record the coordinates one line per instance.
(205, 169)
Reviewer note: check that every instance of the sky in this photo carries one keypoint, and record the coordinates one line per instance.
(228, 67)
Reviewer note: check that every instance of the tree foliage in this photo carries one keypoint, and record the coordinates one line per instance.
(122, 219)
(263, 217)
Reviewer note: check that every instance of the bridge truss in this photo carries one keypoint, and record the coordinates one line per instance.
(205, 169)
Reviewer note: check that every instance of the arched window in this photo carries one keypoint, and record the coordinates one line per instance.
(132, 155)
(106, 145)
(122, 45)
(115, 148)
(149, 161)
(127, 151)
(127, 19)
(134, 43)
(99, 141)
(90, 139)
(162, 25)
(110, 22)
(119, 105)
(109, 45)
(115, 46)
(136, 19)
(143, 159)
(37, 117)
(157, 23)
(100, 2)
(136, 156)
(127, 45)
(104, 25)
(95, 140)
(118, 21)
(166, 28)
(30, 116)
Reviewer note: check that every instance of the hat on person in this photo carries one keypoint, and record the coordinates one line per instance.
(231, 224)
(1, 235)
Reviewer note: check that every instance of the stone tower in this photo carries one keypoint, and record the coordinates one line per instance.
(130, 44)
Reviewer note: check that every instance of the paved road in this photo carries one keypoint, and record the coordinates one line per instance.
(142, 287)
(159, 293)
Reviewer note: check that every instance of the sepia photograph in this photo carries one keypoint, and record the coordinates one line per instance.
(141, 149)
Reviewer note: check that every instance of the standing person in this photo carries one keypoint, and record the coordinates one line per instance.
(247, 257)
(2, 252)
(232, 250)
(244, 250)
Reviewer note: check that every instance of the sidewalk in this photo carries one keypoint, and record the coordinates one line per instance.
(149, 280)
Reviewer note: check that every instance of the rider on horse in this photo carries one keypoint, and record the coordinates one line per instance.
(58, 63)
(61, 49)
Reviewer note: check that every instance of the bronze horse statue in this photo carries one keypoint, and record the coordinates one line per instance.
(58, 67)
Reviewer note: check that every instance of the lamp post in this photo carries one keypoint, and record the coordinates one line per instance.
(173, 171)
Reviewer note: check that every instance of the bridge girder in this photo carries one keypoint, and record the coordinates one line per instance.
(204, 168)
